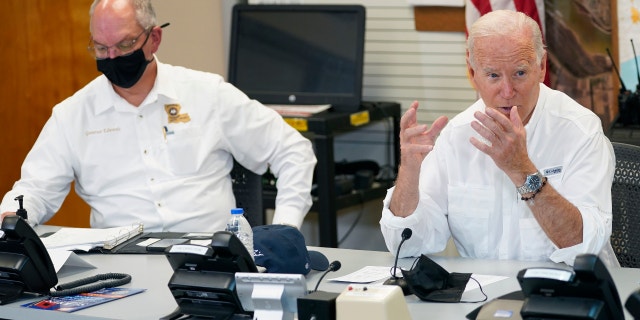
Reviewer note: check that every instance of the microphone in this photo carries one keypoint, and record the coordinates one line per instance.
(319, 305)
(333, 266)
(21, 212)
(394, 280)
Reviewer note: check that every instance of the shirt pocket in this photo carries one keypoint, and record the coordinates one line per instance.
(536, 246)
(184, 149)
(470, 208)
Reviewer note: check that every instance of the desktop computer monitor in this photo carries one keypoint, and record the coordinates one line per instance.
(299, 54)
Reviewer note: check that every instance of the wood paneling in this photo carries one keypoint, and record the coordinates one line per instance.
(436, 18)
(43, 61)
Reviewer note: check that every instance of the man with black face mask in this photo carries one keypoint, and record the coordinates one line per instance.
(154, 143)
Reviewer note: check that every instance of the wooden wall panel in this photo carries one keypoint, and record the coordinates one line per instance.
(435, 18)
(43, 61)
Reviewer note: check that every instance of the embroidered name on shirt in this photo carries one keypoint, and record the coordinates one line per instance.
(101, 131)
(552, 171)
(174, 115)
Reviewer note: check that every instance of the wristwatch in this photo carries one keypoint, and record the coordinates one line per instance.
(531, 184)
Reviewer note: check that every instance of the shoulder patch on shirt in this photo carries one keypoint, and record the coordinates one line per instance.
(552, 171)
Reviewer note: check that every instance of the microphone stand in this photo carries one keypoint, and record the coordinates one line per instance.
(334, 266)
(395, 280)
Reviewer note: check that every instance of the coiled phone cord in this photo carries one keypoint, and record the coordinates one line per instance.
(104, 280)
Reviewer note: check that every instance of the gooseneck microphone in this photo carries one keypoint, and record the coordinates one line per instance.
(394, 280)
(319, 305)
(333, 266)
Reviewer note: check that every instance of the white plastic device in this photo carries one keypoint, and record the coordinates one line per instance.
(372, 302)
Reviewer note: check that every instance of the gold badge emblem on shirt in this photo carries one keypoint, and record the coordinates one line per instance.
(174, 115)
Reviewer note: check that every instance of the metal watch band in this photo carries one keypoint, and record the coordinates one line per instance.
(525, 188)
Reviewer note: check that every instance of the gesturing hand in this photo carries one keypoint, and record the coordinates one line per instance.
(417, 140)
(505, 140)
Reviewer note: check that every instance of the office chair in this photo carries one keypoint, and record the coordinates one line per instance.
(625, 196)
(247, 188)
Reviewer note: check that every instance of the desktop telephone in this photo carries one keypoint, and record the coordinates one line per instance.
(586, 292)
(25, 265)
(203, 283)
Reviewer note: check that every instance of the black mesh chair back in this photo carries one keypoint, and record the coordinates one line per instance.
(625, 196)
(247, 188)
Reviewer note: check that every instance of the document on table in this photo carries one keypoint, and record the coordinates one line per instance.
(367, 274)
(85, 239)
(61, 258)
(370, 274)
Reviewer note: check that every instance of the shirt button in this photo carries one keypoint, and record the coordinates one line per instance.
(145, 151)
(140, 116)
(152, 179)
(159, 204)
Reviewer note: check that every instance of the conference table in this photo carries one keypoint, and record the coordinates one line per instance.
(152, 272)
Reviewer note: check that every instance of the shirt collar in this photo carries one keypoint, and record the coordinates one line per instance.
(538, 110)
(164, 89)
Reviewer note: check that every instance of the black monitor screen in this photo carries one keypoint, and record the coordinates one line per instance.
(298, 54)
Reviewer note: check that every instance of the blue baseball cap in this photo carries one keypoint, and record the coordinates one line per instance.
(281, 249)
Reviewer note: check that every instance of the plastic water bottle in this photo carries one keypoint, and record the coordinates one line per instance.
(239, 226)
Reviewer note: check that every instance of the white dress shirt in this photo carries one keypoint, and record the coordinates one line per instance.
(165, 163)
(464, 195)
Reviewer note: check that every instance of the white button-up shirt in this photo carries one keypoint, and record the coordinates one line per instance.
(464, 195)
(165, 163)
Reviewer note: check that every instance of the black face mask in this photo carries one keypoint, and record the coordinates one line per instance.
(124, 71)
(430, 282)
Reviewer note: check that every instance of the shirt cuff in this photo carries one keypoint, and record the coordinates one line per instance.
(289, 216)
(391, 221)
(567, 255)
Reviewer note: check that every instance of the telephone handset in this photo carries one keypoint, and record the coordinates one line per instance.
(586, 292)
(25, 265)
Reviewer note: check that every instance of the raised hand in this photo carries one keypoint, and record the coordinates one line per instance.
(417, 140)
(504, 140)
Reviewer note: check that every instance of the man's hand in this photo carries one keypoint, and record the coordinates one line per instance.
(505, 141)
(416, 141)
(4, 214)
(507, 146)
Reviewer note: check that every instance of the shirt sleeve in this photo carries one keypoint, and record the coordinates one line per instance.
(428, 222)
(46, 176)
(589, 189)
(260, 139)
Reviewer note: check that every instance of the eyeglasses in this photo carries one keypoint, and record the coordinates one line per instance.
(126, 47)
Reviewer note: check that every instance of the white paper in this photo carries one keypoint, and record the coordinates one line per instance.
(483, 279)
(370, 274)
(367, 274)
(299, 110)
(85, 239)
(62, 258)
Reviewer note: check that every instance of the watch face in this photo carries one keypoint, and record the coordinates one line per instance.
(533, 182)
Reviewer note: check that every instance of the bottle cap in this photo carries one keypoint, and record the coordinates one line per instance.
(237, 211)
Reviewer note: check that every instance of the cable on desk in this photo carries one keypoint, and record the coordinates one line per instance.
(90, 284)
